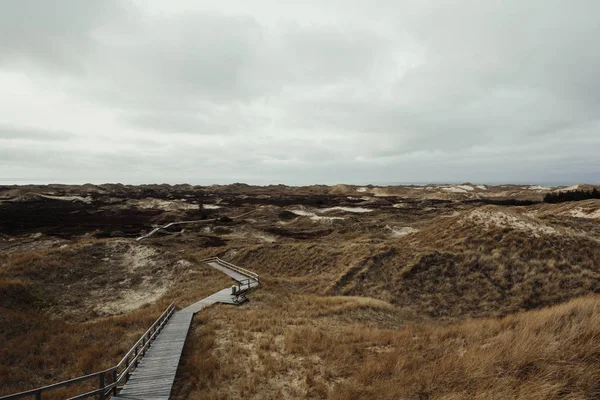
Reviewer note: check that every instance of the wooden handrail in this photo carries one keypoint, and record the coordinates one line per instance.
(238, 269)
(164, 316)
(234, 267)
(158, 228)
(105, 389)
(199, 221)
(128, 367)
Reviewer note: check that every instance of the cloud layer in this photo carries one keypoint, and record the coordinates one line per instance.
(353, 91)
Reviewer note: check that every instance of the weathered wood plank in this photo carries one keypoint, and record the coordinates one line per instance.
(154, 376)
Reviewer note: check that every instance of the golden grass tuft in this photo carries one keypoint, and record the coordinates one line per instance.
(271, 350)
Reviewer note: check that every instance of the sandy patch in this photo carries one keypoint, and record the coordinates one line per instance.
(347, 209)
(538, 187)
(303, 213)
(313, 216)
(130, 300)
(265, 238)
(166, 205)
(378, 192)
(399, 232)
(581, 213)
(136, 256)
(466, 187)
(482, 187)
(568, 188)
(362, 189)
(210, 206)
(454, 189)
(139, 257)
(86, 200)
(491, 219)
(138, 274)
(184, 264)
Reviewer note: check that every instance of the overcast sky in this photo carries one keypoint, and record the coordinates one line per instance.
(307, 92)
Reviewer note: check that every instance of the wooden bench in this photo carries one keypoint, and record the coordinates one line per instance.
(240, 291)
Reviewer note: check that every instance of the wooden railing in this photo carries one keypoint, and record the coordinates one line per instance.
(234, 267)
(200, 221)
(152, 232)
(117, 375)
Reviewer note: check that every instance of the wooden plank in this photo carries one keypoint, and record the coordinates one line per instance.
(233, 274)
(154, 376)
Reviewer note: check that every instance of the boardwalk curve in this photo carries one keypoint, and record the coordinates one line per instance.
(153, 378)
(147, 371)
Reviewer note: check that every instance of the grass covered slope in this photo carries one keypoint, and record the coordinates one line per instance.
(392, 318)
(71, 311)
(338, 348)
(487, 261)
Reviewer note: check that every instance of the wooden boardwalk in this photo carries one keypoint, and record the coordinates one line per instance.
(236, 276)
(200, 221)
(153, 378)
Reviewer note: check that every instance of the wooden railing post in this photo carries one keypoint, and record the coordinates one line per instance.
(102, 386)
(127, 374)
(114, 391)
(38, 395)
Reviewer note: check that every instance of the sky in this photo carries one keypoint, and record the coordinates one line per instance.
(328, 91)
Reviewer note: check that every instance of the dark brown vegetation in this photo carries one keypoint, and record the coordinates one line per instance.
(68, 219)
(572, 195)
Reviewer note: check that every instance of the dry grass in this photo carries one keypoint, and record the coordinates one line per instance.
(283, 350)
(39, 347)
(455, 269)
(346, 311)
(36, 350)
(413, 338)
(78, 282)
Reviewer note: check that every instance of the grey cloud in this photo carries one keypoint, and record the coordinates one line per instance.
(175, 61)
(52, 34)
(21, 132)
(177, 123)
(325, 54)
(203, 119)
(411, 90)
